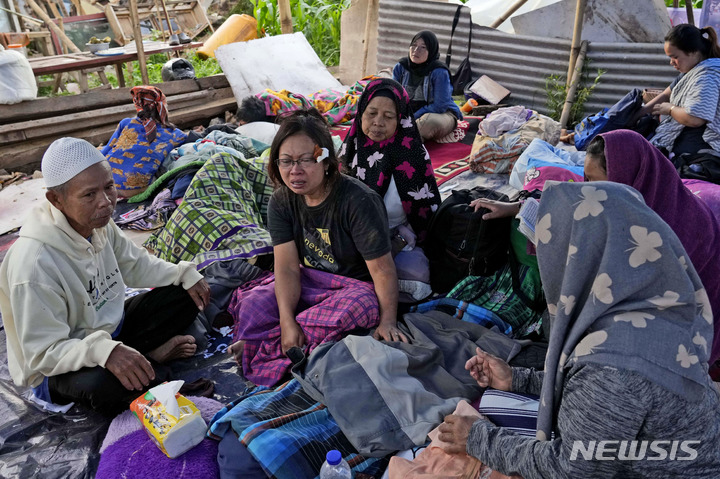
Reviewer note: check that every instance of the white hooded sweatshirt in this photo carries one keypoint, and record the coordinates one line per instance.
(62, 296)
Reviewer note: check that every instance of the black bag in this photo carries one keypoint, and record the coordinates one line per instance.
(460, 243)
(463, 75)
(699, 166)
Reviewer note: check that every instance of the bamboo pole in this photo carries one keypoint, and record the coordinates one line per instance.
(690, 13)
(513, 8)
(577, 75)
(22, 15)
(51, 25)
(369, 20)
(286, 22)
(577, 36)
(138, 42)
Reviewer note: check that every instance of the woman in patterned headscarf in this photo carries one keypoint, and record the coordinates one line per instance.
(385, 151)
(140, 144)
(626, 368)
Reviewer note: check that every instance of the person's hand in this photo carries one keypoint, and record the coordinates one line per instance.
(498, 209)
(454, 433)
(130, 367)
(291, 334)
(489, 371)
(200, 294)
(389, 332)
(236, 351)
(662, 108)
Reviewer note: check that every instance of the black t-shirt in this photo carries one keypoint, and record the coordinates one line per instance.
(337, 236)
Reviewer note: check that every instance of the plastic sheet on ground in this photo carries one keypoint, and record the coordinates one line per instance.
(38, 444)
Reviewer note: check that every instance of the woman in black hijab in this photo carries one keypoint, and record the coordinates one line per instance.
(427, 81)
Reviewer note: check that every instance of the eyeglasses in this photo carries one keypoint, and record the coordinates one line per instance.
(287, 163)
(418, 48)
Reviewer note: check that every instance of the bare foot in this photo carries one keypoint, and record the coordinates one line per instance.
(236, 350)
(175, 348)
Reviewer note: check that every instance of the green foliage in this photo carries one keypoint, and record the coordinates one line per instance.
(556, 91)
(681, 3)
(319, 20)
(242, 7)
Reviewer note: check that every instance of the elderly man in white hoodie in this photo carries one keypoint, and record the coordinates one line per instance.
(71, 335)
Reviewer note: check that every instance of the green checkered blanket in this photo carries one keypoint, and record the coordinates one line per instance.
(222, 216)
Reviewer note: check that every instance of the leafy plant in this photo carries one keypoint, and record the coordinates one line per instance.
(556, 91)
(318, 20)
(681, 3)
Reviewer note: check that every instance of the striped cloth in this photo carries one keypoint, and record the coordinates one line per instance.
(151, 101)
(513, 411)
(289, 433)
(222, 216)
(697, 92)
(329, 307)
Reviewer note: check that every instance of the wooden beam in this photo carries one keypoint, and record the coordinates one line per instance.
(570, 97)
(138, 42)
(370, 20)
(27, 155)
(120, 37)
(286, 22)
(51, 25)
(513, 8)
(577, 37)
(62, 105)
(690, 13)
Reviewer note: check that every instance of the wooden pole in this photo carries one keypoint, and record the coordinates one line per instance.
(286, 22)
(167, 18)
(22, 15)
(570, 97)
(513, 8)
(369, 21)
(676, 3)
(690, 13)
(162, 29)
(138, 42)
(577, 36)
(51, 25)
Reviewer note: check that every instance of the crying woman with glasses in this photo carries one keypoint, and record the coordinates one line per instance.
(427, 81)
(333, 273)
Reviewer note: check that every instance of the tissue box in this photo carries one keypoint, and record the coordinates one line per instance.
(175, 428)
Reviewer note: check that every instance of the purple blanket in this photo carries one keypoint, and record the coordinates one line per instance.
(329, 306)
(631, 160)
(128, 451)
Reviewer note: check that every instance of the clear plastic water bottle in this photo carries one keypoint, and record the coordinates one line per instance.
(335, 467)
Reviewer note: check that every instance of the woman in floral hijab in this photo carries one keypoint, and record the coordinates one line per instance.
(385, 151)
(626, 367)
(397, 156)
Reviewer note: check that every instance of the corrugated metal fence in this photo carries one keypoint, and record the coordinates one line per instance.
(520, 63)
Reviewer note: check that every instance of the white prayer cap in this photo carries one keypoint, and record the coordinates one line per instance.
(66, 158)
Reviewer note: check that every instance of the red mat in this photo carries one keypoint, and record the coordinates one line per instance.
(448, 159)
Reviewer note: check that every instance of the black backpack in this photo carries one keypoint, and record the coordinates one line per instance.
(703, 165)
(460, 243)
